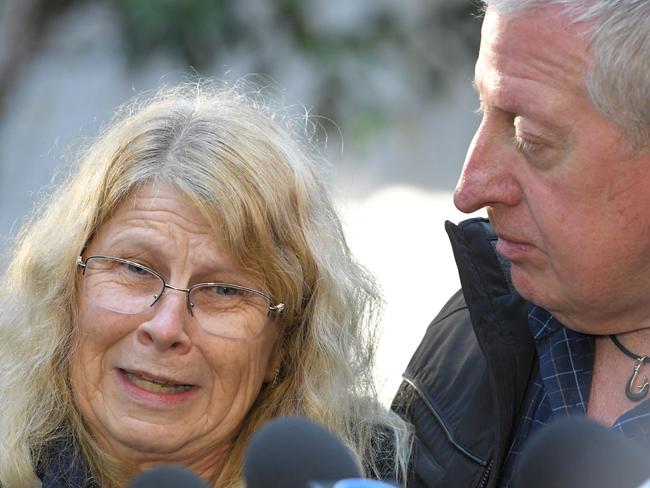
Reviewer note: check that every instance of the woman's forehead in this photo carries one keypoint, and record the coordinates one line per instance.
(159, 216)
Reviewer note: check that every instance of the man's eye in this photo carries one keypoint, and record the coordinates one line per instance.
(527, 147)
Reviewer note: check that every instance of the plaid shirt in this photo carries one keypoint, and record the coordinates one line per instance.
(561, 387)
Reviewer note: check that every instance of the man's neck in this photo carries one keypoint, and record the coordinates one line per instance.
(612, 370)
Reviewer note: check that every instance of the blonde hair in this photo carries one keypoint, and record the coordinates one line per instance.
(254, 175)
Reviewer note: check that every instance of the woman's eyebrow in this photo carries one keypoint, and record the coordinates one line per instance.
(216, 274)
(131, 241)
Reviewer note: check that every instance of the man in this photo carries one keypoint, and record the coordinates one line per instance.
(554, 315)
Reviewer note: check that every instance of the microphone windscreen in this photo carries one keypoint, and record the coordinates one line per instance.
(362, 483)
(289, 452)
(577, 452)
(351, 483)
(170, 476)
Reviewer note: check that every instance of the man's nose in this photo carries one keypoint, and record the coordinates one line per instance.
(489, 173)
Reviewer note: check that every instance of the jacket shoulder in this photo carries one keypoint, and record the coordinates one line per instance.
(467, 377)
(446, 395)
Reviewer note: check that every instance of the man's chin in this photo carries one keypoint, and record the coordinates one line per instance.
(541, 293)
(536, 290)
(524, 284)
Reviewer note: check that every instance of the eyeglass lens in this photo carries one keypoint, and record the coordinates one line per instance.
(220, 309)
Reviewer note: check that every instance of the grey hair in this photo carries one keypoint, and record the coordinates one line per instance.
(253, 173)
(618, 81)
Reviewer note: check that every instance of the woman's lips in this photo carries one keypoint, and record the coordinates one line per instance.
(151, 387)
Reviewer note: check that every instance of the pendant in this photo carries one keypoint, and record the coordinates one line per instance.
(635, 392)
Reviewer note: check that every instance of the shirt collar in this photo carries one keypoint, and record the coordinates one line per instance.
(541, 322)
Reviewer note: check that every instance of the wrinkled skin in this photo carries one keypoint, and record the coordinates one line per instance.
(568, 199)
(158, 227)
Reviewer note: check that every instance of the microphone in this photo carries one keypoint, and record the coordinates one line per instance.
(294, 452)
(169, 476)
(577, 452)
(353, 483)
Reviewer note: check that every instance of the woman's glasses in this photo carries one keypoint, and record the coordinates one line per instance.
(222, 309)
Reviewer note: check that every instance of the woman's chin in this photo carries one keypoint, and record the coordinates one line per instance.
(134, 436)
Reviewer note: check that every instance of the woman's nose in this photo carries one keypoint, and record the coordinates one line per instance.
(167, 327)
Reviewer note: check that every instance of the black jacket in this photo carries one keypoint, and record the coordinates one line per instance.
(466, 381)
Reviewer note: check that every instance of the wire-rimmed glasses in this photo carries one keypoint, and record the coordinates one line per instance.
(130, 288)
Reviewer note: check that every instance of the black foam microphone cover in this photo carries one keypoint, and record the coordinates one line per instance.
(170, 476)
(290, 452)
(577, 452)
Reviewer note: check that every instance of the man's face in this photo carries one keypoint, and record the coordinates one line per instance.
(567, 198)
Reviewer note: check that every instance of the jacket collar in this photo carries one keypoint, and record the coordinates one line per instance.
(499, 317)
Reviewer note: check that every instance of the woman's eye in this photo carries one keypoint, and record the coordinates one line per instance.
(226, 290)
(137, 269)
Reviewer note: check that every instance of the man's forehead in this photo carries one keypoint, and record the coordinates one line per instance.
(541, 44)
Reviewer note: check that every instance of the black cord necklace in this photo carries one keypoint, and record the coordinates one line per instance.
(634, 392)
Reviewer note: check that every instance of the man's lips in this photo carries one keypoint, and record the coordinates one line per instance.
(512, 248)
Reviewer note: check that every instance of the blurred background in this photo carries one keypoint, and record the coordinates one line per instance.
(390, 81)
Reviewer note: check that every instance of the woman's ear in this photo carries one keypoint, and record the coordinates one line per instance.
(274, 367)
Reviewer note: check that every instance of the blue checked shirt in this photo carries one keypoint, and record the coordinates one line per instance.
(561, 387)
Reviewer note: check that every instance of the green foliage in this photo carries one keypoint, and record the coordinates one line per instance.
(195, 30)
(201, 32)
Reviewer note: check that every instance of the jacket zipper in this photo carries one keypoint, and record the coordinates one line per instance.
(486, 475)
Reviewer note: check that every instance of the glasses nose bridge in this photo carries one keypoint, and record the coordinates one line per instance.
(175, 288)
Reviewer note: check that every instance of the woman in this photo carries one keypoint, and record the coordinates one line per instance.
(187, 283)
